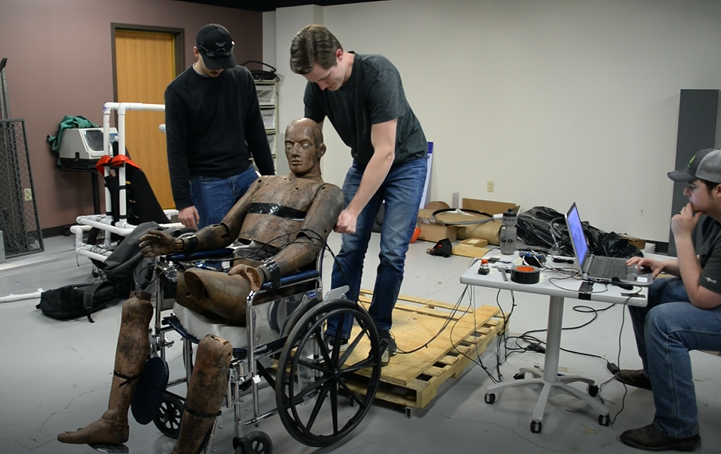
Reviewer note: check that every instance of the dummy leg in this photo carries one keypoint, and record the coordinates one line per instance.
(185, 298)
(130, 357)
(205, 393)
(219, 293)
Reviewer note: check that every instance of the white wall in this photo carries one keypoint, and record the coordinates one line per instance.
(553, 100)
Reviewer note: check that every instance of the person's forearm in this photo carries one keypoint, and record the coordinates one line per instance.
(373, 176)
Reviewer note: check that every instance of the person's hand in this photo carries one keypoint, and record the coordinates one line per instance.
(346, 222)
(253, 275)
(189, 217)
(684, 222)
(656, 266)
(155, 243)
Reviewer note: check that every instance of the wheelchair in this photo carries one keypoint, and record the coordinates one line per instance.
(322, 392)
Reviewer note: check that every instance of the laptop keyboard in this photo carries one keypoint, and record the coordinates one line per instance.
(608, 268)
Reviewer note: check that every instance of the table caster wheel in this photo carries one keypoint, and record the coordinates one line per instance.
(536, 427)
(593, 390)
(604, 420)
(490, 398)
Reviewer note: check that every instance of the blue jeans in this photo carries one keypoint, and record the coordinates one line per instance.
(401, 190)
(214, 197)
(666, 330)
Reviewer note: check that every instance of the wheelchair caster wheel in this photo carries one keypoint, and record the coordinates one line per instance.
(254, 443)
(536, 427)
(592, 390)
(490, 398)
(169, 414)
(604, 420)
(519, 376)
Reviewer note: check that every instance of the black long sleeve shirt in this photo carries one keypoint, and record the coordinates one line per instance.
(213, 127)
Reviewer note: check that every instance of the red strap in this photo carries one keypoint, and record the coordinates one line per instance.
(121, 159)
(101, 163)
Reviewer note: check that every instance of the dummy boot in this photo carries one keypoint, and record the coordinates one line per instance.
(130, 357)
(205, 393)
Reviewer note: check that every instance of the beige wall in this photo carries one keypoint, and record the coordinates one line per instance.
(60, 63)
(552, 100)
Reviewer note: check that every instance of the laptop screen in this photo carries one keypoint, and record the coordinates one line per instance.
(578, 239)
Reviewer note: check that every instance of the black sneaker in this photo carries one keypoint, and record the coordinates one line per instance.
(635, 378)
(388, 346)
(649, 438)
(329, 340)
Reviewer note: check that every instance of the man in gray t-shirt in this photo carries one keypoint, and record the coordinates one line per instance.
(363, 97)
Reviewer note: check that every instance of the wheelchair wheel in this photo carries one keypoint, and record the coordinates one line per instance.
(308, 369)
(169, 414)
(255, 442)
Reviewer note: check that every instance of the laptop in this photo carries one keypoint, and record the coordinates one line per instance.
(599, 268)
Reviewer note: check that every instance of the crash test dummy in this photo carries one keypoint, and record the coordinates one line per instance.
(288, 218)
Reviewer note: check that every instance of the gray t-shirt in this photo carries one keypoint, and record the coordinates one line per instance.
(710, 256)
(372, 94)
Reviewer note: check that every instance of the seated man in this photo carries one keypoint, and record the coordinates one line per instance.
(290, 216)
(683, 314)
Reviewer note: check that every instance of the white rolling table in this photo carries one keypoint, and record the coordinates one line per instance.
(550, 382)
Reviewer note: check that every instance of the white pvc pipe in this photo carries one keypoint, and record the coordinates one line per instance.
(88, 220)
(78, 231)
(93, 252)
(25, 296)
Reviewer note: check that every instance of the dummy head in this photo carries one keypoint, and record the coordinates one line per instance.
(304, 147)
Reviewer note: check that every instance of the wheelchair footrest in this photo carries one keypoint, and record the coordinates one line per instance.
(109, 448)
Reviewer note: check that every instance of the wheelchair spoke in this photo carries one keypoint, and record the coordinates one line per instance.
(309, 368)
(319, 403)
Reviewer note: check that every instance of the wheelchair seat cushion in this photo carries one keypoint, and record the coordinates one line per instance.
(199, 326)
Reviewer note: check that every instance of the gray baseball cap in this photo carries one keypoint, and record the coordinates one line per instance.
(706, 165)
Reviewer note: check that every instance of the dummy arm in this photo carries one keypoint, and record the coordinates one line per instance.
(318, 224)
(156, 242)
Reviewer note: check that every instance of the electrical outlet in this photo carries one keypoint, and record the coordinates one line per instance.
(490, 186)
(28, 193)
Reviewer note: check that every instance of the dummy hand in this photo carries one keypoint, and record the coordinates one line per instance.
(155, 243)
(189, 217)
(683, 223)
(346, 222)
(642, 262)
(249, 273)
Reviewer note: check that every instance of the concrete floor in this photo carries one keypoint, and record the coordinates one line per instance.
(55, 375)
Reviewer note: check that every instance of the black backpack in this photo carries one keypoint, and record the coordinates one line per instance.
(121, 270)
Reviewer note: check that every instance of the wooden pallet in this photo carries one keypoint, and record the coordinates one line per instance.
(413, 380)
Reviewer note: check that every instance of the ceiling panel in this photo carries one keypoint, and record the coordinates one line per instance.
(272, 5)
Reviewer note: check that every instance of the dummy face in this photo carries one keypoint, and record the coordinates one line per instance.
(200, 66)
(300, 147)
(332, 78)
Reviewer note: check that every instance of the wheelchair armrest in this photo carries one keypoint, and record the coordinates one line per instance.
(293, 278)
(200, 255)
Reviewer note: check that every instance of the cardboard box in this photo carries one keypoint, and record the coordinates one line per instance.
(639, 243)
(472, 247)
(434, 230)
(491, 230)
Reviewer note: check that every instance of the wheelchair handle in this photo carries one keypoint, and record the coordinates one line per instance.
(292, 279)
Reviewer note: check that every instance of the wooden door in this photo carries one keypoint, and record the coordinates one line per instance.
(144, 66)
